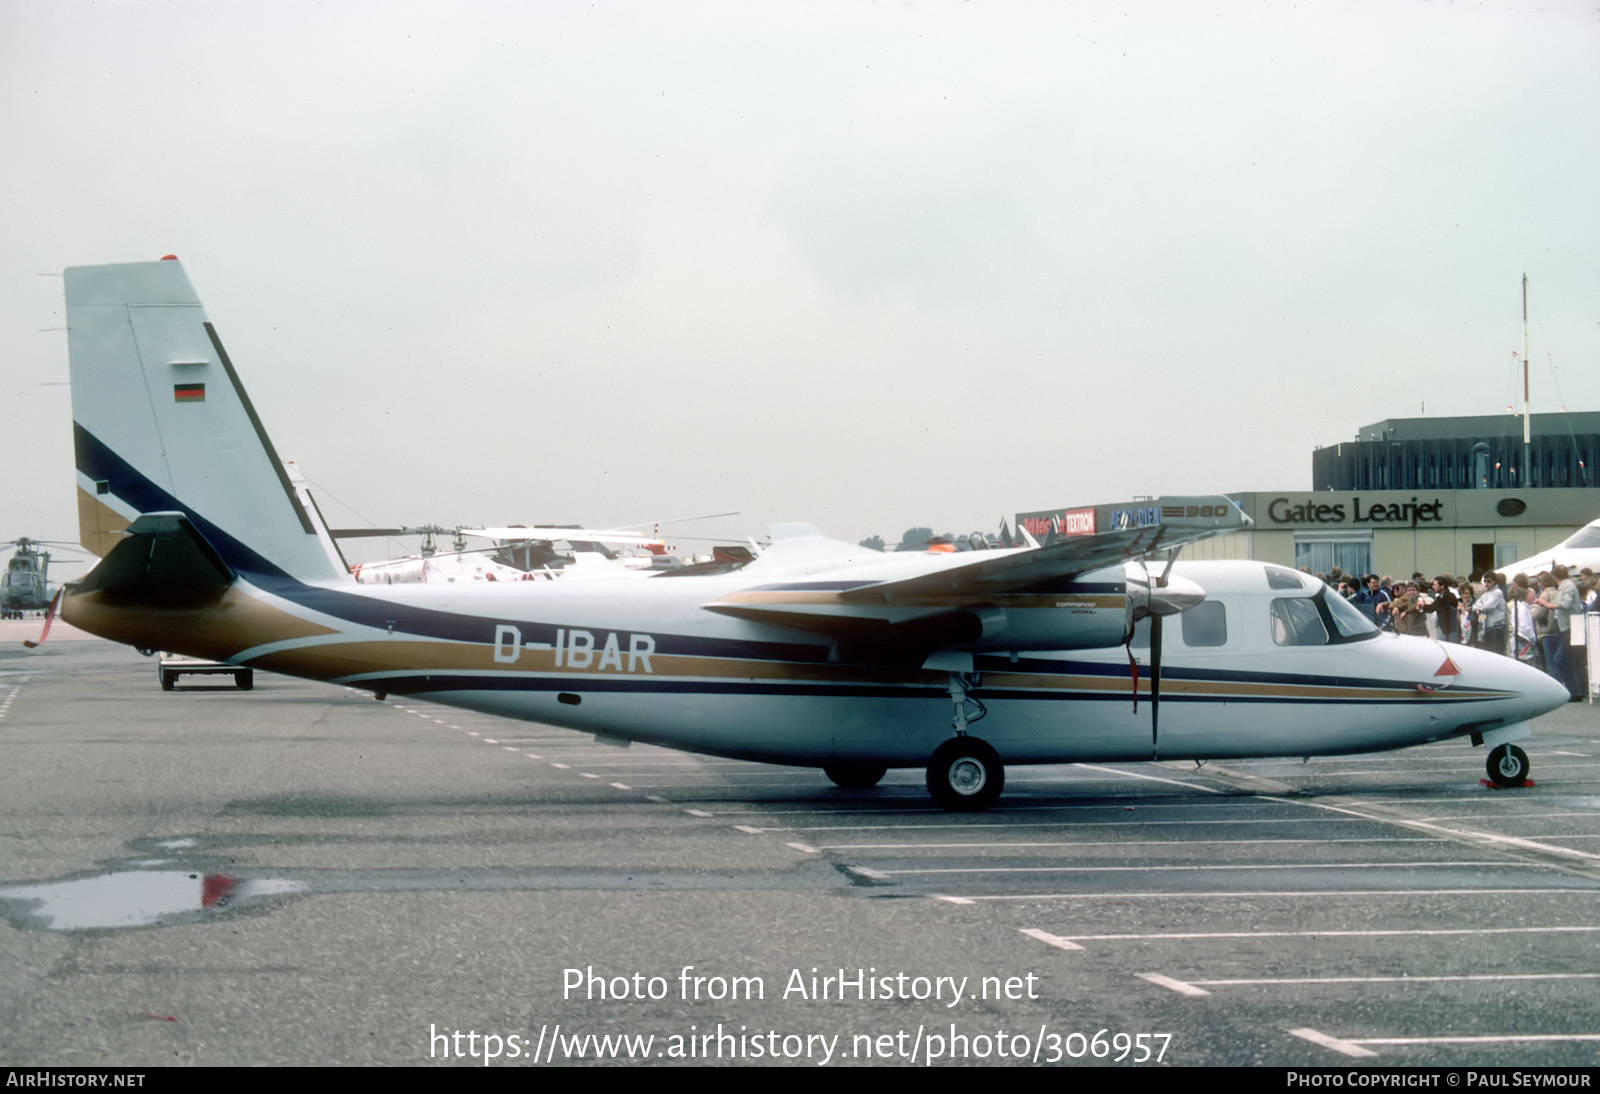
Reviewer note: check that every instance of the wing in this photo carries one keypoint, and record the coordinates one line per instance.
(1048, 597)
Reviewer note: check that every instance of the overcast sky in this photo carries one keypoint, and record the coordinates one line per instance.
(866, 265)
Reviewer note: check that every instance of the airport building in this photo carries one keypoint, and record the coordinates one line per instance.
(1435, 495)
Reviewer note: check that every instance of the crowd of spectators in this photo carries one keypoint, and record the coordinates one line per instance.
(1530, 617)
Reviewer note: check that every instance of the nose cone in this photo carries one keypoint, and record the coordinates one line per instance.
(1535, 692)
(1544, 690)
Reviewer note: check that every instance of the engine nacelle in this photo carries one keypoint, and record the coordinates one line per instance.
(1092, 611)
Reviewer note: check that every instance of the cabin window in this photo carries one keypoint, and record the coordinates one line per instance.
(1296, 622)
(1205, 624)
(1281, 577)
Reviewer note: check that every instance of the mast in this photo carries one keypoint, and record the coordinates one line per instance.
(1527, 446)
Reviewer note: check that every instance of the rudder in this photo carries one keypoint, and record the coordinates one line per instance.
(162, 424)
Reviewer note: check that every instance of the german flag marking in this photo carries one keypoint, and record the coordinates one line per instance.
(188, 393)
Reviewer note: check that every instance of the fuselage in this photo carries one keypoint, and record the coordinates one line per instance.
(1243, 673)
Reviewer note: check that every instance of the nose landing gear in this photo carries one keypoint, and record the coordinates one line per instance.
(1508, 766)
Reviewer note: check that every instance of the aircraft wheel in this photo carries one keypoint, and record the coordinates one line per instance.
(244, 681)
(965, 775)
(1508, 766)
(166, 681)
(854, 776)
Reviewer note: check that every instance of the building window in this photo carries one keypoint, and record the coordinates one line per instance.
(1320, 552)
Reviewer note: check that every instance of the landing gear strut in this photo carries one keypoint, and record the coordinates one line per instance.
(965, 775)
(1508, 765)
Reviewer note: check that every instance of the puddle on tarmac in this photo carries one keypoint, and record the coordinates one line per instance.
(125, 898)
(133, 898)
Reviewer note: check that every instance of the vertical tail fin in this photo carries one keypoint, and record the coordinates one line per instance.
(162, 424)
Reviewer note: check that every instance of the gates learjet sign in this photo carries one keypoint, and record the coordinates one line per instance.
(1282, 511)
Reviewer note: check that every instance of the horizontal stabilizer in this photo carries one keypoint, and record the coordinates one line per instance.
(163, 551)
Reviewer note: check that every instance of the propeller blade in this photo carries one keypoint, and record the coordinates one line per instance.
(1156, 623)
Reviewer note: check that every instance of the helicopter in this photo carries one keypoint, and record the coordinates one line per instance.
(24, 587)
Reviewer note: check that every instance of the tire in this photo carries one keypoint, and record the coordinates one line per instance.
(166, 680)
(854, 776)
(965, 775)
(244, 681)
(1508, 766)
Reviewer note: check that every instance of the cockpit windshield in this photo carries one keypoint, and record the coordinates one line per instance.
(1351, 622)
(1320, 620)
(1585, 537)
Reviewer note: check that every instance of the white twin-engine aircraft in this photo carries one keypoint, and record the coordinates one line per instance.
(815, 652)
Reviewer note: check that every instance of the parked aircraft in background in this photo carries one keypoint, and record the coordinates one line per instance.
(25, 584)
(518, 554)
(1578, 550)
(814, 652)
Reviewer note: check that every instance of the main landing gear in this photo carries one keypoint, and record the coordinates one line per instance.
(965, 775)
(1508, 765)
(855, 776)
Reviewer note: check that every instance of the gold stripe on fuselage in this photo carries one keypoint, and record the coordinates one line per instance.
(213, 624)
(1224, 689)
(340, 660)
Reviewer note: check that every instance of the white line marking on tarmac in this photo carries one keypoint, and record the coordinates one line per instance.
(1317, 894)
(1075, 825)
(804, 848)
(1170, 984)
(1125, 843)
(1146, 869)
(1480, 977)
(1487, 1039)
(563, 767)
(1198, 936)
(1051, 939)
(587, 775)
(1349, 1048)
(657, 798)
(698, 813)
(622, 786)
(1462, 833)
(1151, 778)
(747, 830)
